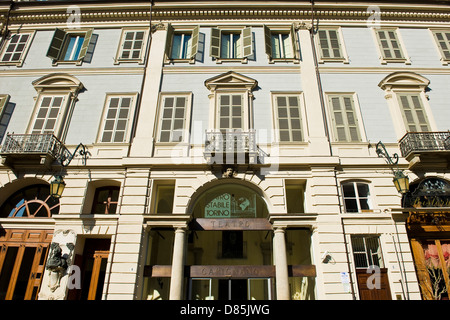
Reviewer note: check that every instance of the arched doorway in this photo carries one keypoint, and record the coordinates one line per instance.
(23, 251)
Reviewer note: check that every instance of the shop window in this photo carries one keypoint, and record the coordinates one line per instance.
(31, 202)
(105, 200)
(356, 196)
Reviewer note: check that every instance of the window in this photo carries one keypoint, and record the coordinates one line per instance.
(116, 125)
(295, 196)
(288, 118)
(174, 118)
(231, 44)
(390, 46)
(6, 110)
(15, 48)
(69, 46)
(48, 115)
(413, 112)
(356, 196)
(132, 46)
(330, 47)
(281, 44)
(443, 42)
(182, 44)
(366, 251)
(344, 118)
(164, 196)
(105, 200)
(230, 112)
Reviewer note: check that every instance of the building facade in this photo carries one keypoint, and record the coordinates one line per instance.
(224, 150)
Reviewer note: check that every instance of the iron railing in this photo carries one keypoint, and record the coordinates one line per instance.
(230, 142)
(35, 144)
(424, 141)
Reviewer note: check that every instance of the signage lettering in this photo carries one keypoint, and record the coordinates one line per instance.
(229, 205)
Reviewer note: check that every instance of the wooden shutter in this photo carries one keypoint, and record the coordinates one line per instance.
(295, 49)
(169, 40)
(247, 41)
(289, 118)
(214, 49)
(268, 40)
(345, 120)
(389, 45)
(330, 45)
(194, 42)
(413, 113)
(4, 99)
(85, 46)
(47, 116)
(117, 118)
(56, 44)
(172, 119)
(443, 41)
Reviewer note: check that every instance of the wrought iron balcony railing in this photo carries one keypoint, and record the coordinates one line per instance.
(231, 144)
(35, 144)
(424, 141)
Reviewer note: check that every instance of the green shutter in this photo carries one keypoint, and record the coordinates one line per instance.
(247, 41)
(389, 45)
(413, 113)
(169, 41)
(345, 120)
(214, 50)
(86, 42)
(194, 42)
(4, 99)
(56, 44)
(443, 41)
(268, 39)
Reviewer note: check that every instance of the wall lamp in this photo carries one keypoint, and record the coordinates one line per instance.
(401, 181)
(57, 185)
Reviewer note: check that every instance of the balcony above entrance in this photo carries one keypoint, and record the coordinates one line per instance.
(424, 149)
(231, 147)
(32, 150)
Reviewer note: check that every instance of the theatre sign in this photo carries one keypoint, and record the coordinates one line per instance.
(227, 205)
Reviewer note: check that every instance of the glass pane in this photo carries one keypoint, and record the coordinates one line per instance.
(351, 205)
(363, 189)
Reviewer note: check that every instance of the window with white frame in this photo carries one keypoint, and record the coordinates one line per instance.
(413, 112)
(182, 43)
(15, 48)
(70, 46)
(117, 118)
(281, 43)
(390, 45)
(231, 44)
(49, 114)
(356, 196)
(367, 251)
(344, 118)
(132, 46)
(174, 118)
(288, 115)
(330, 45)
(442, 39)
(231, 112)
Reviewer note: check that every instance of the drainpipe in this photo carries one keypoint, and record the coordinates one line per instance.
(327, 133)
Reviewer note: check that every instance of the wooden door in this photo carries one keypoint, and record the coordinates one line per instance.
(369, 292)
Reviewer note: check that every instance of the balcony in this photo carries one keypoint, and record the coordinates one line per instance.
(25, 150)
(426, 148)
(233, 147)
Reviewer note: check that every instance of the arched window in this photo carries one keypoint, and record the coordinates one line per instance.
(230, 201)
(33, 201)
(356, 196)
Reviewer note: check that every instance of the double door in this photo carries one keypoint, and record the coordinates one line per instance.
(23, 254)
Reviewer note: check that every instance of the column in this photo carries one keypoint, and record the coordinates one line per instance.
(281, 268)
(177, 276)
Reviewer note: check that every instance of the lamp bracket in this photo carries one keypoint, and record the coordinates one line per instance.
(67, 158)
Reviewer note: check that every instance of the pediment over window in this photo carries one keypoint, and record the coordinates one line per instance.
(231, 80)
(404, 79)
(61, 81)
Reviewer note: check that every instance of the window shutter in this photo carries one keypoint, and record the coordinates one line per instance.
(56, 44)
(323, 44)
(247, 41)
(389, 44)
(169, 39)
(330, 45)
(344, 119)
(268, 39)
(413, 113)
(214, 50)
(194, 42)
(4, 99)
(86, 42)
(47, 115)
(295, 49)
(172, 119)
(289, 118)
(443, 40)
(335, 44)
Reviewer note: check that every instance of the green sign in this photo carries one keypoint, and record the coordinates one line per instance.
(228, 205)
